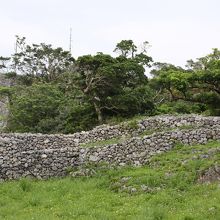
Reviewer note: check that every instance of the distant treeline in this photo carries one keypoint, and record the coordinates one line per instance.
(55, 93)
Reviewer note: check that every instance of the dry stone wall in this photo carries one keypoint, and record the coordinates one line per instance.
(105, 132)
(4, 102)
(44, 156)
(138, 150)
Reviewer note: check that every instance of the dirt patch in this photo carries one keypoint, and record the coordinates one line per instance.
(210, 175)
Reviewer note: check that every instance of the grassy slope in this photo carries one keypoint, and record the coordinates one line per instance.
(167, 189)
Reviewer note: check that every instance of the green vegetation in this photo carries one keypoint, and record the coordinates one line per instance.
(56, 93)
(131, 124)
(166, 189)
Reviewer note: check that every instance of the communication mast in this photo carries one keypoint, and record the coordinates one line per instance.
(70, 45)
(16, 51)
(16, 45)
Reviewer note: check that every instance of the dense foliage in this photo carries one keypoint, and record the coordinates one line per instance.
(55, 93)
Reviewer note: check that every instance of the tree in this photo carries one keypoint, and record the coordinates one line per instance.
(175, 80)
(200, 83)
(126, 48)
(206, 80)
(34, 108)
(95, 77)
(104, 79)
(46, 108)
(207, 71)
(40, 61)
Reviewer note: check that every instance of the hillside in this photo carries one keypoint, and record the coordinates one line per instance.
(180, 184)
(163, 167)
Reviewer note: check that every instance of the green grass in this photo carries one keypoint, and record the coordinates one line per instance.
(166, 189)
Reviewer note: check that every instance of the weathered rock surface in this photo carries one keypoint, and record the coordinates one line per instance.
(210, 175)
(4, 102)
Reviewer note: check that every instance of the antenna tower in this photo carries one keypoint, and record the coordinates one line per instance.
(70, 46)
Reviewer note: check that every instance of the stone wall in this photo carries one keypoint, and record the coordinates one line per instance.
(138, 150)
(105, 132)
(4, 102)
(45, 156)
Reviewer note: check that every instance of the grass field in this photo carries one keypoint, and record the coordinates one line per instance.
(165, 189)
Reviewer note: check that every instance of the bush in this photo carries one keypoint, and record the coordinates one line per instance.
(31, 107)
(181, 107)
(44, 108)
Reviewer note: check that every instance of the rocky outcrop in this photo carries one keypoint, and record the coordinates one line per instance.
(210, 175)
(4, 102)
(44, 156)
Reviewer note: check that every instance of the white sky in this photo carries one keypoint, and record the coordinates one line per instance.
(177, 30)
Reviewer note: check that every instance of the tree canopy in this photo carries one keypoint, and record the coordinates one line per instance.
(53, 92)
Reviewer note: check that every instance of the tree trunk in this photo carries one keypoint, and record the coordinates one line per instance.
(172, 97)
(98, 112)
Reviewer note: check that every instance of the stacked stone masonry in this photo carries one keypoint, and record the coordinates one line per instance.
(44, 156)
(5, 82)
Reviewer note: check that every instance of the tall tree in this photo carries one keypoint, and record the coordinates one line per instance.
(206, 80)
(199, 83)
(105, 80)
(126, 48)
(207, 71)
(41, 61)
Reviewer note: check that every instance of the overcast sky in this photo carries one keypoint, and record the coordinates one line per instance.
(177, 30)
